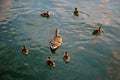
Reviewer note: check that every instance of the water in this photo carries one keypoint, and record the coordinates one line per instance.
(92, 57)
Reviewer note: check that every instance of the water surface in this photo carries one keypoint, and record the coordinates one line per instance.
(92, 57)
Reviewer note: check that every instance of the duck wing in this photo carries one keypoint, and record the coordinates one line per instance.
(56, 41)
(95, 32)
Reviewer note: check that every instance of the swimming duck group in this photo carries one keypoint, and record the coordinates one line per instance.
(56, 41)
(76, 13)
(51, 63)
(47, 14)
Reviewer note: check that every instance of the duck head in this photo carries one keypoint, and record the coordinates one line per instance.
(48, 13)
(75, 9)
(49, 58)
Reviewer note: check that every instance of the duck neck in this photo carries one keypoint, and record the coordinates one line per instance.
(66, 53)
(57, 32)
(99, 29)
(24, 47)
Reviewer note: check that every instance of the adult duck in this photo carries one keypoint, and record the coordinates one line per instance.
(66, 57)
(45, 14)
(97, 32)
(50, 62)
(25, 50)
(76, 12)
(56, 41)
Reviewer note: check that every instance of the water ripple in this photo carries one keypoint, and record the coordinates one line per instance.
(21, 23)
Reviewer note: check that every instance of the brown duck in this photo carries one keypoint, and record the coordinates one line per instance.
(98, 31)
(25, 50)
(56, 41)
(76, 12)
(50, 62)
(45, 14)
(66, 57)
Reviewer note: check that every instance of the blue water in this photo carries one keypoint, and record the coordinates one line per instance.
(92, 57)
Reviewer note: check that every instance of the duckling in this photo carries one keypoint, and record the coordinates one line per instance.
(96, 32)
(25, 50)
(76, 12)
(50, 62)
(66, 57)
(56, 41)
(45, 14)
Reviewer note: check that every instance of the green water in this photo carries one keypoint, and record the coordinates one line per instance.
(92, 57)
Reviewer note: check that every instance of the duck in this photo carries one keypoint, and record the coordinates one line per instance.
(97, 32)
(45, 14)
(50, 62)
(76, 12)
(66, 57)
(56, 41)
(25, 50)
